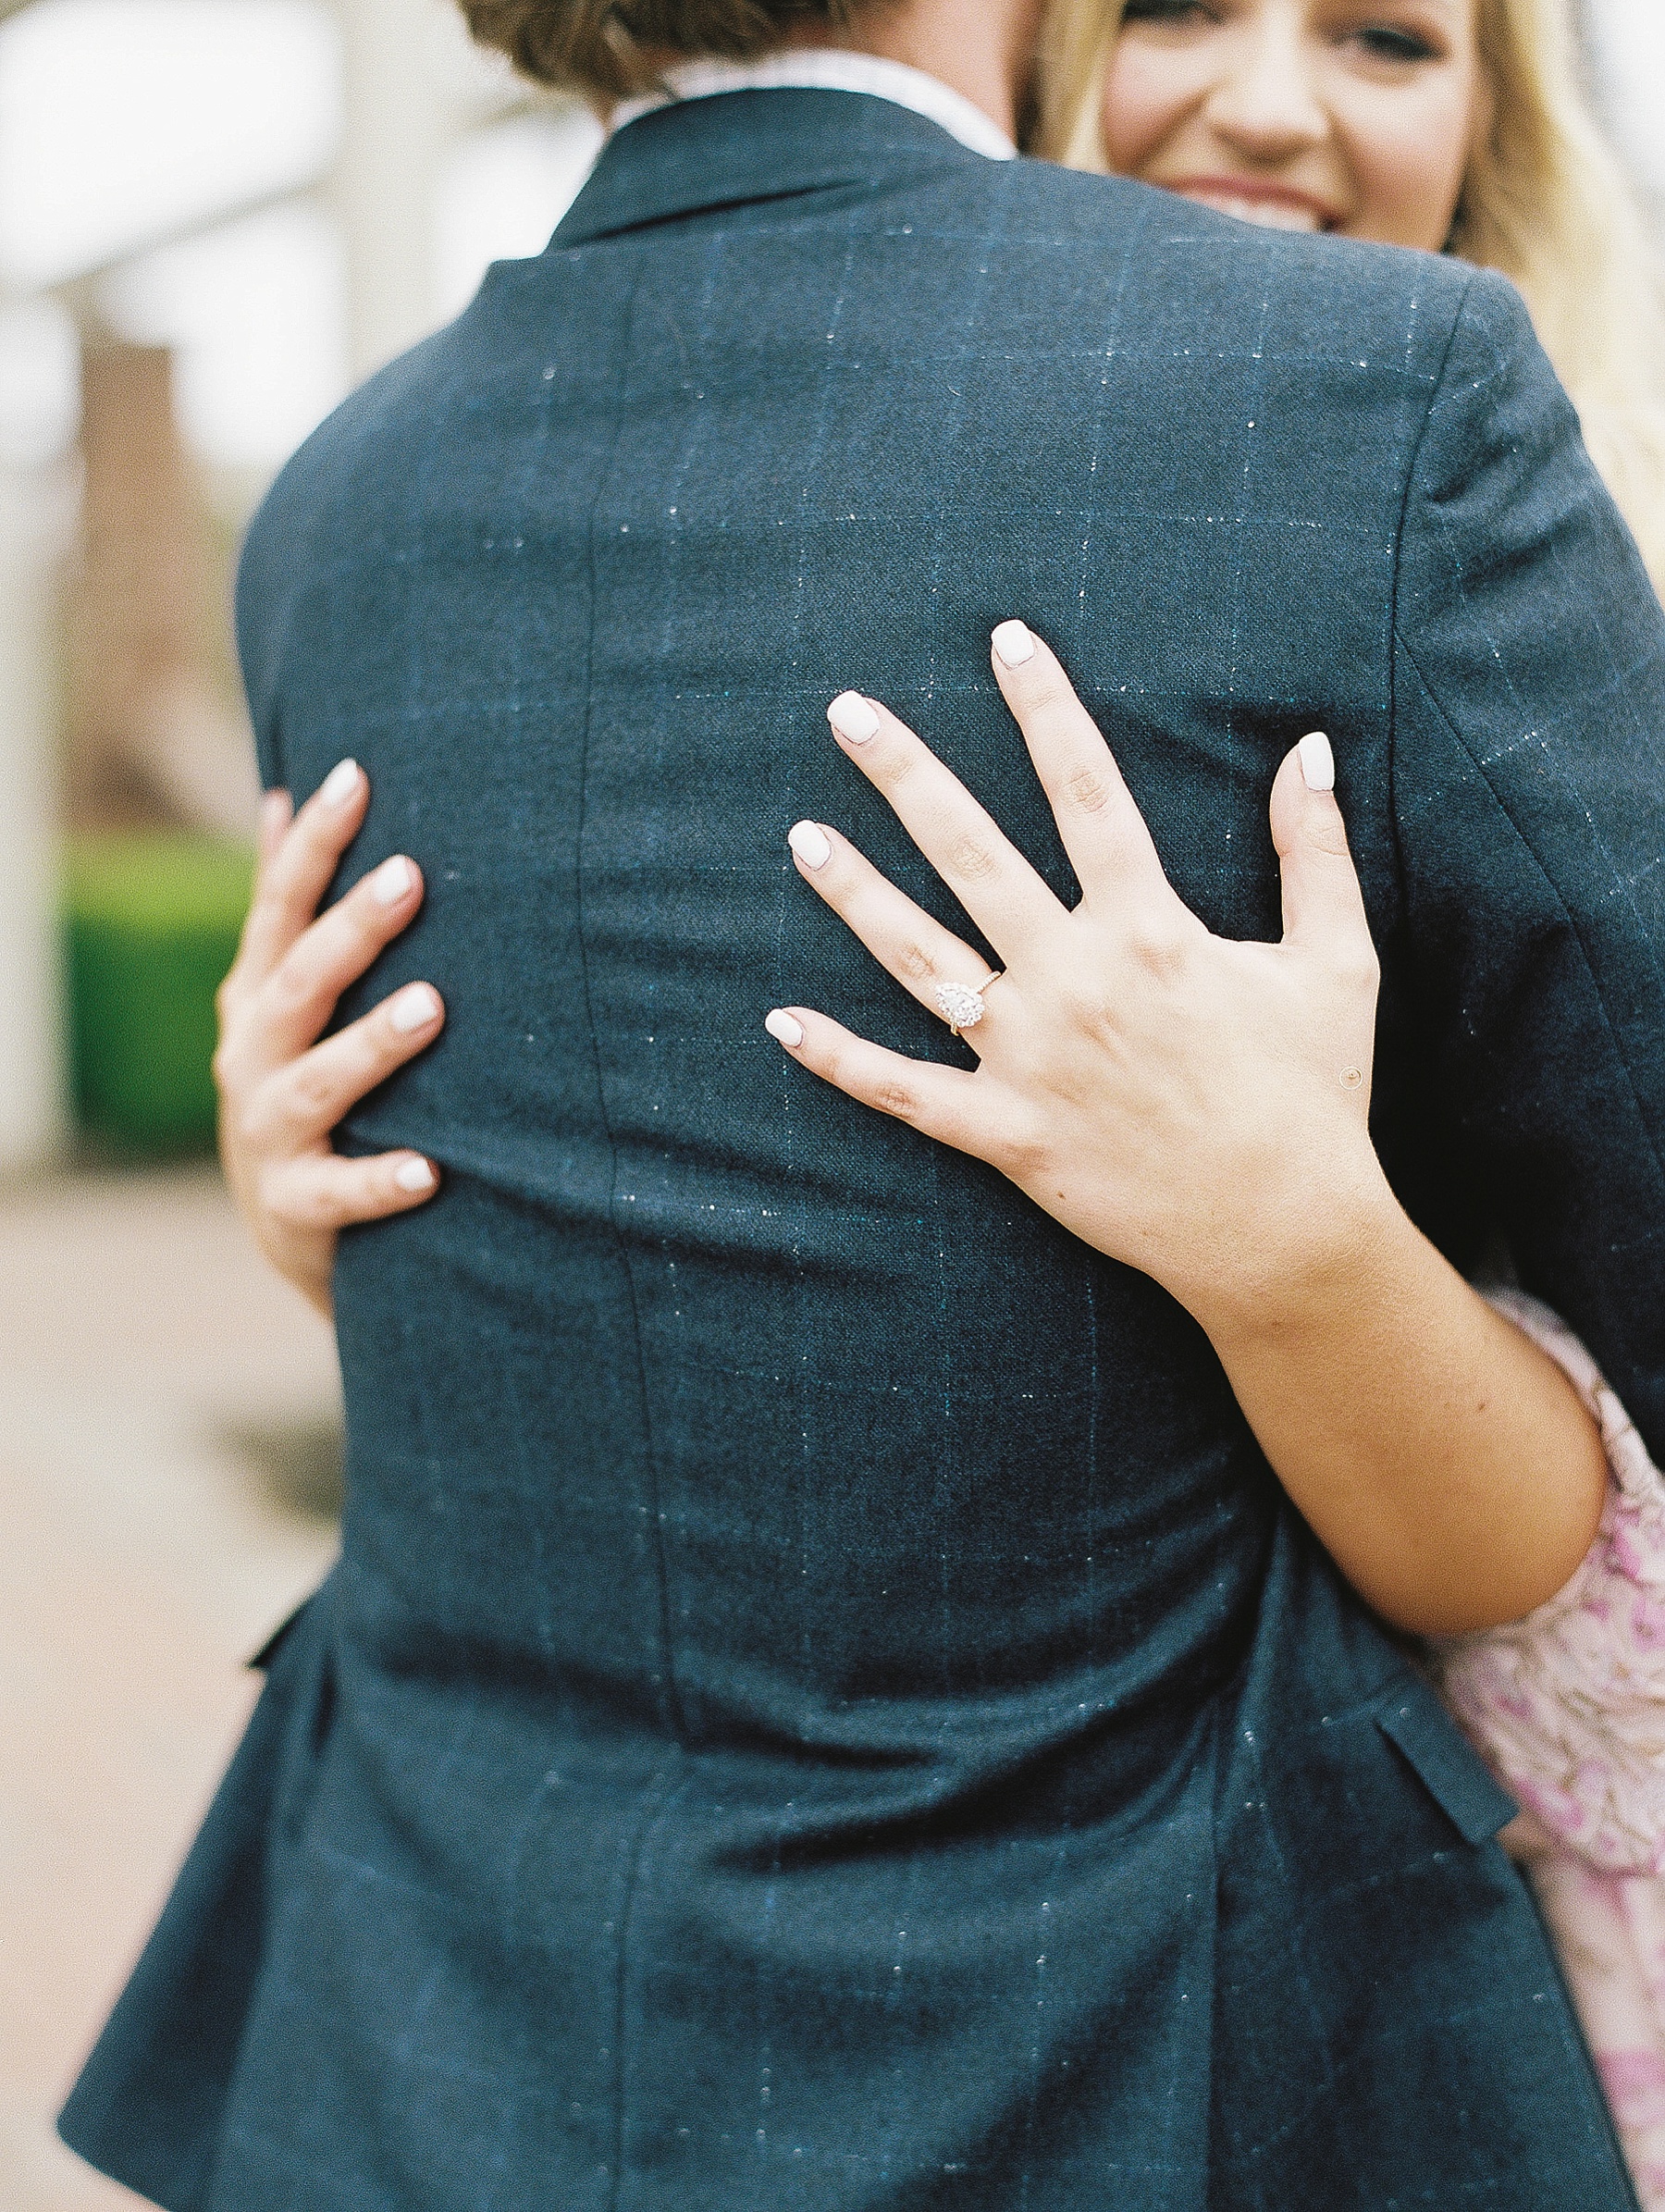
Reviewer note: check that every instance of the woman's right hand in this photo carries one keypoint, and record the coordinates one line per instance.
(282, 1092)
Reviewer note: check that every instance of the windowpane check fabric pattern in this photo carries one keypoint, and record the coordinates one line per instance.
(823, 1706)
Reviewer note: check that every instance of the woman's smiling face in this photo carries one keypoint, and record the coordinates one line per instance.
(1353, 115)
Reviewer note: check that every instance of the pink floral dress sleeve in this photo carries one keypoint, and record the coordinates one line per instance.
(1567, 1707)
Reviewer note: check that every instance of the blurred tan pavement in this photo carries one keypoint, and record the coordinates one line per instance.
(163, 1403)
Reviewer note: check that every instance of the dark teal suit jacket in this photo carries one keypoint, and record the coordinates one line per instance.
(824, 1707)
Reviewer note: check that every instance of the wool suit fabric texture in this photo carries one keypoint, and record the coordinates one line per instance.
(823, 1704)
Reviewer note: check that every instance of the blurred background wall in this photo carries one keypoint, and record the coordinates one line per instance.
(215, 217)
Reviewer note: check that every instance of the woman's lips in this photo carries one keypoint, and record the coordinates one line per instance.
(1274, 206)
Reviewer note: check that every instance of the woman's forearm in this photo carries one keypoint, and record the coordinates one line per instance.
(1443, 1460)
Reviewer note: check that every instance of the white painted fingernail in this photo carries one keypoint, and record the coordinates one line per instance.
(785, 1030)
(340, 784)
(414, 1175)
(414, 1007)
(811, 844)
(1317, 762)
(391, 881)
(1015, 643)
(854, 718)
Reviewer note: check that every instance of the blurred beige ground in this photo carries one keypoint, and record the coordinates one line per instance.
(167, 1421)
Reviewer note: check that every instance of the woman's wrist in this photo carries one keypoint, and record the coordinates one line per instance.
(1307, 1250)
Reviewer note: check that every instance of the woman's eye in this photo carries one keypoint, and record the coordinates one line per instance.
(1166, 11)
(1385, 43)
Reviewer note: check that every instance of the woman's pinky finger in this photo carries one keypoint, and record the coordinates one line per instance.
(939, 1102)
(322, 1190)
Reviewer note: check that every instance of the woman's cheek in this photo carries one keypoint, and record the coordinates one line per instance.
(1147, 95)
(1408, 169)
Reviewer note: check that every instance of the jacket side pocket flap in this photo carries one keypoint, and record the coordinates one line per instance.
(1454, 1773)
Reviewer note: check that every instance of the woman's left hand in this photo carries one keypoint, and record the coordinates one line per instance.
(1194, 1106)
(1200, 1109)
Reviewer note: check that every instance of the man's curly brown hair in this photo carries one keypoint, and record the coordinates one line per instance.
(614, 48)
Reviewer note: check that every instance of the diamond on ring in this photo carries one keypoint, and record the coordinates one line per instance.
(960, 1006)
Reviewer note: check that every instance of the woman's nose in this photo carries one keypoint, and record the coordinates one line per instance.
(1267, 105)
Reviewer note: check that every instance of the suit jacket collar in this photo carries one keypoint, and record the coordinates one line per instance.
(830, 69)
(737, 148)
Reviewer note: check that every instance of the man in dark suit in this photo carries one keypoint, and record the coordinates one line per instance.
(823, 1704)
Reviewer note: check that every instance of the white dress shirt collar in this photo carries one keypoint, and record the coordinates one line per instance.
(832, 69)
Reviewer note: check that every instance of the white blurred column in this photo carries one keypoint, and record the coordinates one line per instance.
(32, 1117)
(397, 123)
(1628, 40)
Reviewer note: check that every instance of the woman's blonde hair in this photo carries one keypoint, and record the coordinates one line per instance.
(1545, 201)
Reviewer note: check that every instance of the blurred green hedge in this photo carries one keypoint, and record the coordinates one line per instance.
(153, 920)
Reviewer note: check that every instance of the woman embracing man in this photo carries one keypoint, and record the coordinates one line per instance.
(991, 1028)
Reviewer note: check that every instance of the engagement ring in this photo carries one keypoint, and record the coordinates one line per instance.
(961, 1005)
